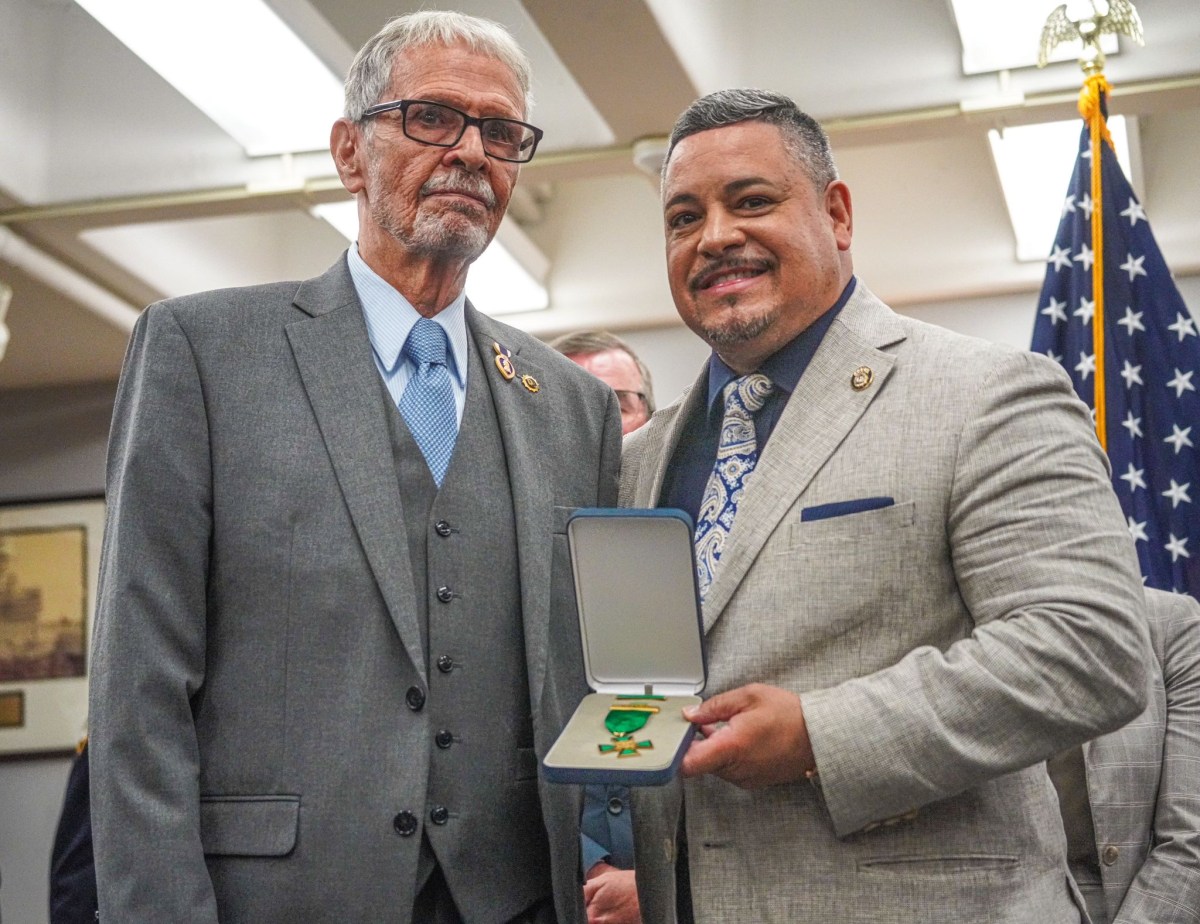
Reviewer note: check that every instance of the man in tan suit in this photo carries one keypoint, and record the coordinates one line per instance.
(917, 584)
(1129, 799)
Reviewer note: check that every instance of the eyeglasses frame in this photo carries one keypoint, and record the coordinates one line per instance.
(468, 120)
(640, 395)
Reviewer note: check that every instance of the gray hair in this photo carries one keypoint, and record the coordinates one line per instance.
(802, 135)
(371, 73)
(587, 342)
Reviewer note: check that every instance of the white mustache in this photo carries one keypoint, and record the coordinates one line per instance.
(468, 184)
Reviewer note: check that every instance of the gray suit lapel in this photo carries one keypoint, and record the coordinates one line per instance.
(818, 416)
(333, 353)
(516, 412)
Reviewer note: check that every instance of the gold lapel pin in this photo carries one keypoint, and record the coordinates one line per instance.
(504, 361)
(531, 384)
(862, 378)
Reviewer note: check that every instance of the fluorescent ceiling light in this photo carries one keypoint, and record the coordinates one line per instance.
(237, 62)
(5, 298)
(508, 278)
(1004, 36)
(1035, 163)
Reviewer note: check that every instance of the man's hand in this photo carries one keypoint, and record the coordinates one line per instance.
(611, 896)
(762, 740)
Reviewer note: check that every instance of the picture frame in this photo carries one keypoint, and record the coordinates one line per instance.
(49, 570)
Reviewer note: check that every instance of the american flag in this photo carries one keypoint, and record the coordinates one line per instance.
(1152, 366)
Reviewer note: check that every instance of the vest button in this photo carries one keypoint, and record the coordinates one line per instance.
(1110, 855)
(439, 814)
(615, 806)
(442, 528)
(415, 699)
(405, 824)
(445, 664)
(445, 594)
(443, 739)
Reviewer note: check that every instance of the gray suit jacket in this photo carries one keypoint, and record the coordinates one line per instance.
(257, 634)
(1143, 782)
(942, 646)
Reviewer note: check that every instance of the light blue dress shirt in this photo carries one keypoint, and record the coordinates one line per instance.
(390, 317)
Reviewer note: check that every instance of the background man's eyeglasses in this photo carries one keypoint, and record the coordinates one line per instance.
(443, 126)
(631, 402)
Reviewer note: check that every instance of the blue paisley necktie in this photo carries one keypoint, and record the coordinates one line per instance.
(737, 454)
(427, 404)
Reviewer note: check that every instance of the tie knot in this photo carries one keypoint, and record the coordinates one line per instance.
(426, 343)
(749, 391)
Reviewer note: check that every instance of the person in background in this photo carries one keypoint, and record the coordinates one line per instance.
(336, 627)
(72, 865)
(613, 361)
(1130, 800)
(916, 581)
(606, 831)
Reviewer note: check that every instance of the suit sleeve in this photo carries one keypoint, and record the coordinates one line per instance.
(149, 645)
(610, 453)
(1042, 560)
(1166, 890)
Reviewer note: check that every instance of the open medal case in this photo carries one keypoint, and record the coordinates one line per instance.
(639, 621)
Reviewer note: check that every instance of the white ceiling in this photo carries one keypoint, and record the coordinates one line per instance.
(118, 185)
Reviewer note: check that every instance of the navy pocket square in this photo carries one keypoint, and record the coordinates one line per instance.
(844, 508)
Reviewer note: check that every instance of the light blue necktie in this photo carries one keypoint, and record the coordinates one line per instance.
(737, 454)
(427, 404)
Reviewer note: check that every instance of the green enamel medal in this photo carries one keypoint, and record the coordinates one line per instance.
(623, 719)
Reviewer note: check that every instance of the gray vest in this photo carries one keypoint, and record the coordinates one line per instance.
(483, 817)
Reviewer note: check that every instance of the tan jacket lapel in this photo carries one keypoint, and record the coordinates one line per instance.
(823, 409)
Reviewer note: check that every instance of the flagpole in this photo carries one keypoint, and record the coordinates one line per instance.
(1091, 107)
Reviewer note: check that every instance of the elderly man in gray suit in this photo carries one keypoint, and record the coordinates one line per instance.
(336, 627)
(1131, 799)
(917, 584)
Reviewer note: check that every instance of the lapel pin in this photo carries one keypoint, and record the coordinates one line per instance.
(531, 384)
(862, 378)
(504, 361)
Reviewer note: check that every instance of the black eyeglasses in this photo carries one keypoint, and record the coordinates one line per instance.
(443, 126)
(632, 402)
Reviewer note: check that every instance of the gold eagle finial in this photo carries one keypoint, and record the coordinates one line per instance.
(1109, 17)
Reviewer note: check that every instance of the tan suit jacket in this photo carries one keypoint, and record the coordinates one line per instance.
(942, 646)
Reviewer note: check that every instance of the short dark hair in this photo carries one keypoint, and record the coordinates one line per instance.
(802, 134)
(587, 342)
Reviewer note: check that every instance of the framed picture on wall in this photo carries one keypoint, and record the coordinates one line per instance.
(49, 563)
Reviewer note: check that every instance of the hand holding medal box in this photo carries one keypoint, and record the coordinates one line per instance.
(639, 621)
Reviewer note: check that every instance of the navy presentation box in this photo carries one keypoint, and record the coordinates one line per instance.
(639, 620)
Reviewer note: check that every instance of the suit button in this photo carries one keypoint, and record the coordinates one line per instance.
(445, 594)
(415, 699)
(1110, 855)
(443, 739)
(439, 814)
(445, 664)
(405, 824)
(442, 528)
(615, 806)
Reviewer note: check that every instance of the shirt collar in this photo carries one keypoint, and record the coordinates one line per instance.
(390, 317)
(785, 366)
